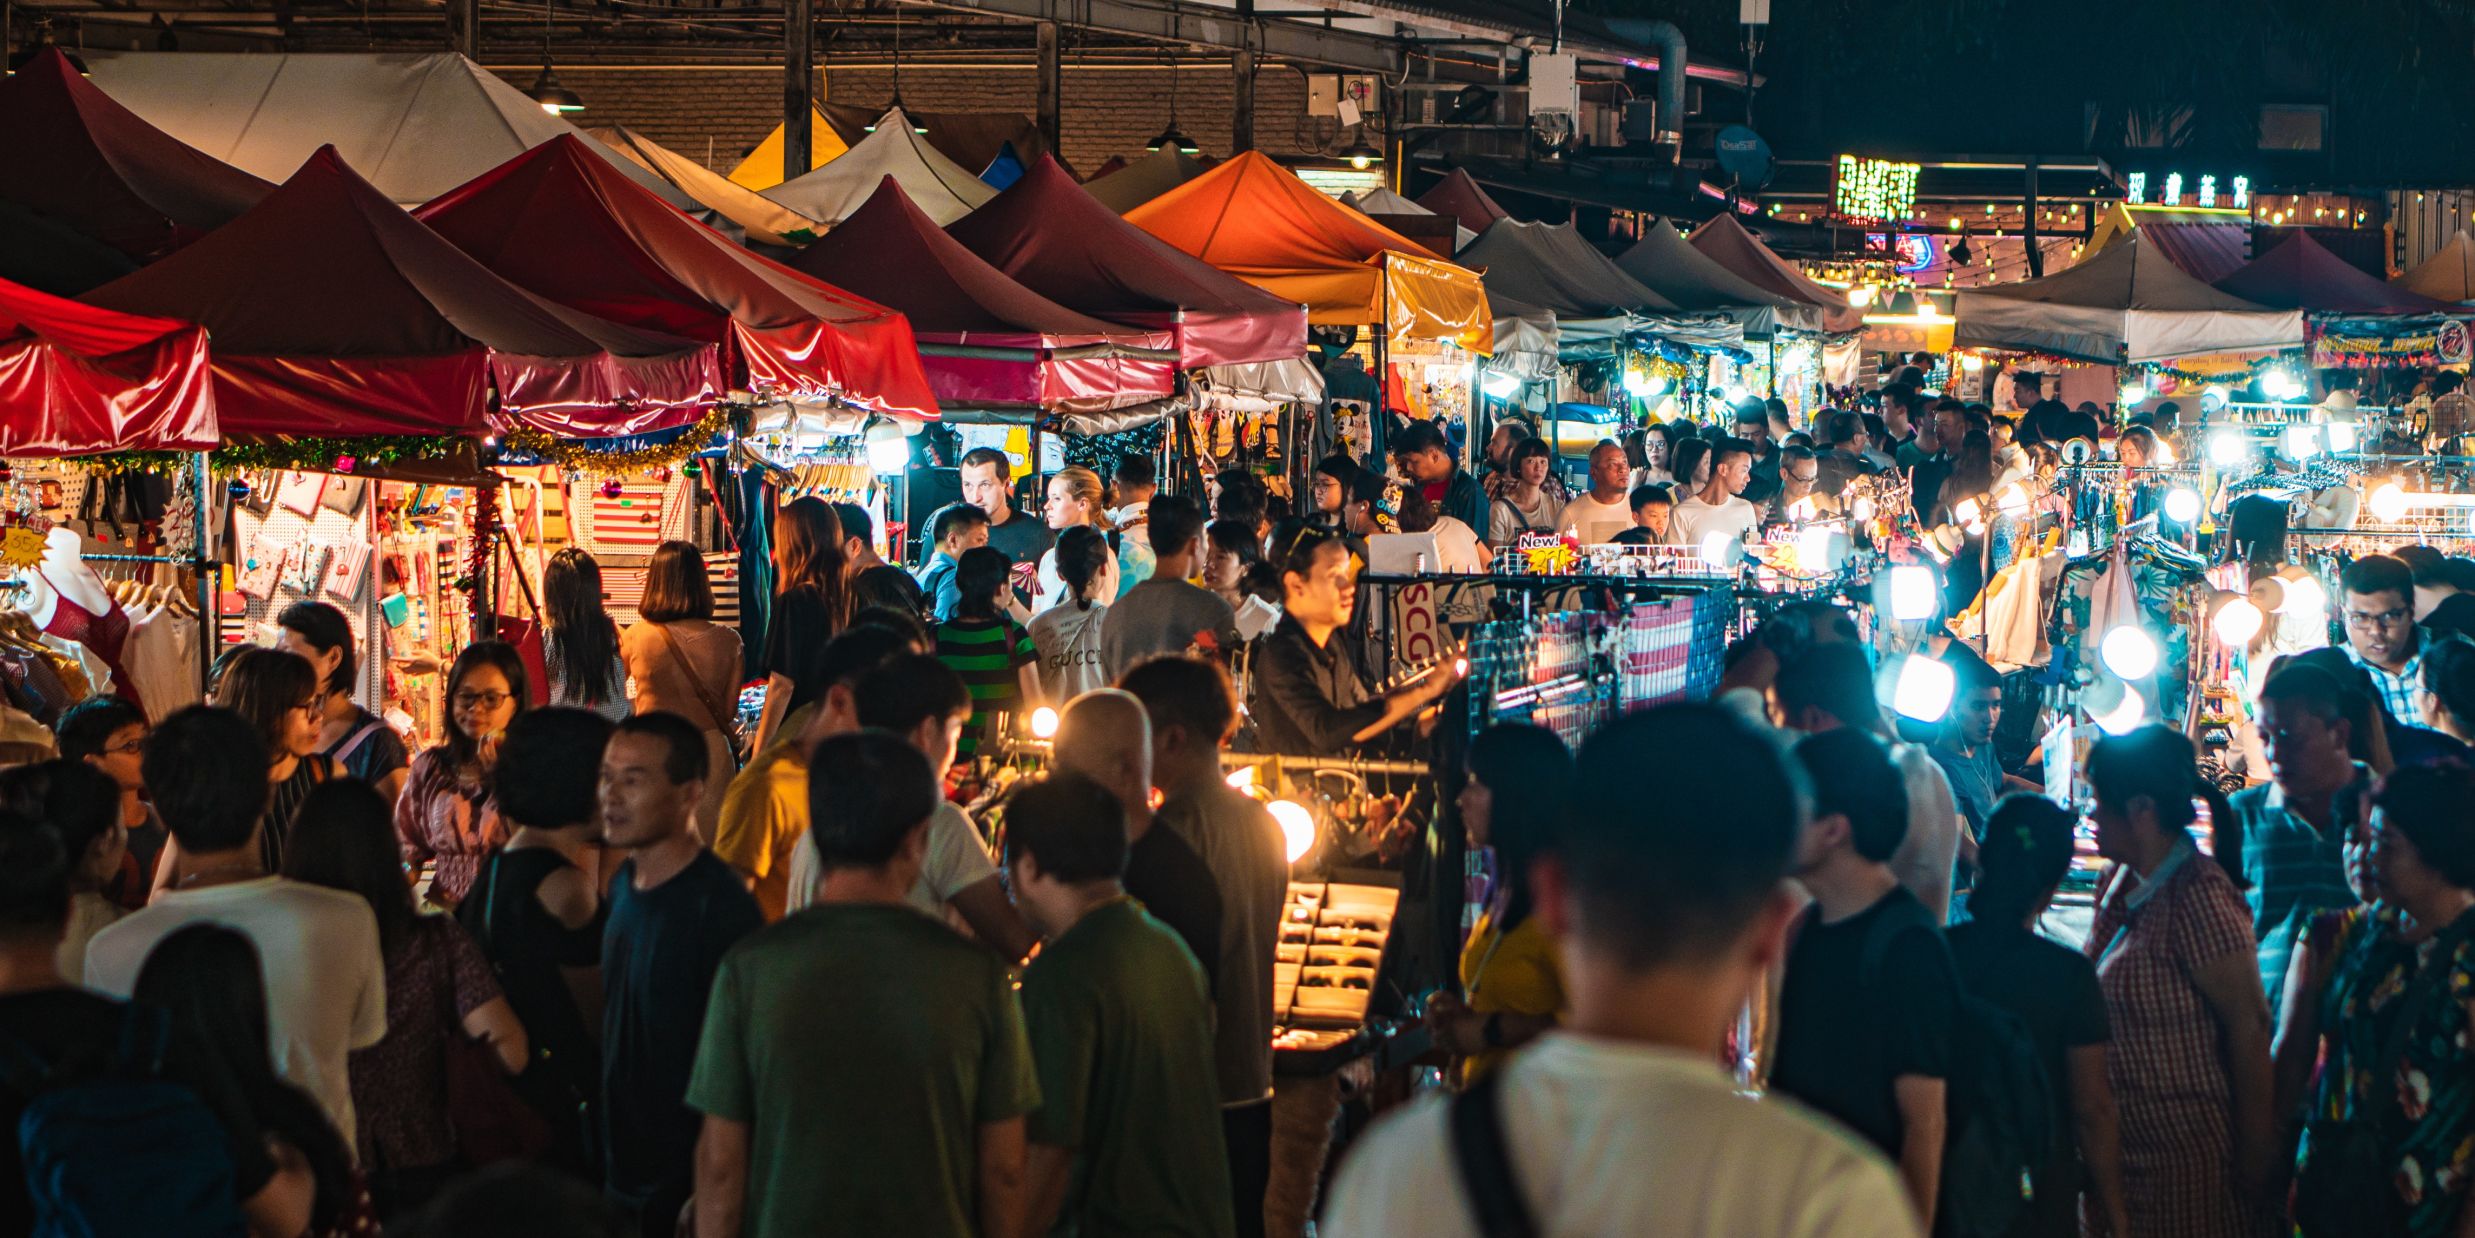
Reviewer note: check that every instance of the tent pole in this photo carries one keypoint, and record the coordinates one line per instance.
(798, 86)
(1242, 82)
(1049, 103)
(209, 624)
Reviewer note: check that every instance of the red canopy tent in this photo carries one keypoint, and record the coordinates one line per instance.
(335, 313)
(77, 380)
(1725, 241)
(1059, 241)
(2301, 273)
(560, 221)
(79, 159)
(988, 342)
(1459, 196)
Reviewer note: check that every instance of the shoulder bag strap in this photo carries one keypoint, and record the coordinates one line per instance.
(1481, 1154)
(352, 743)
(720, 717)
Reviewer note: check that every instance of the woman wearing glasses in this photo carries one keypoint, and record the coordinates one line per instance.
(279, 694)
(446, 814)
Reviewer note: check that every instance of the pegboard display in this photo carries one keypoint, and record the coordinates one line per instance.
(308, 537)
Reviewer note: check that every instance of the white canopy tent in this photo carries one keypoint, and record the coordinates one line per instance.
(1382, 201)
(415, 126)
(943, 189)
(2124, 303)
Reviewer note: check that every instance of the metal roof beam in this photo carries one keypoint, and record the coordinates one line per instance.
(1201, 26)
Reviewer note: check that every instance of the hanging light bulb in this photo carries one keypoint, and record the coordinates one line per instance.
(2237, 622)
(1860, 295)
(1971, 362)
(1362, 154)
(2389, 503)
(2182, 505)
(2126, 717)
(1924, 689)
(1044, 723)
(1501, 384)
(2129, 652)
(2132, 393)
(1297, 828)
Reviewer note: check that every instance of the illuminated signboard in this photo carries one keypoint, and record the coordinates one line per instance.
(1910, 252)
(1874, 190)
(2237, 197)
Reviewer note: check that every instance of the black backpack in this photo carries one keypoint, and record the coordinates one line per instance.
(1998, 1143)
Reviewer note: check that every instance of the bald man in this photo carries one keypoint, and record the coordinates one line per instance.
(1106, 736)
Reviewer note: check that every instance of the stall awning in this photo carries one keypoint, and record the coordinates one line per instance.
(938, 186)
(1725, 241)
(986, 340)
(561, 222)
(1256, 220)
(1146, 178)
(1550, 265)
(2448, 275)
(2125, 303)
(79, 380)
(971, 139)
(2301, 273)
(90, 165)
(1461, 197)
(335, 313)
(415, 126)
(1666, 262)
(766, 221)
(1056, 239)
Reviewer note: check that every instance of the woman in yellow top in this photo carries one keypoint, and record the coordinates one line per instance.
(1512, 989)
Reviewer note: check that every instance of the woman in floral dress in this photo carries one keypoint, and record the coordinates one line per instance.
(2396, 1074)
(2174, 954)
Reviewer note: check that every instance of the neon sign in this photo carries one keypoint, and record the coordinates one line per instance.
(1874, 190)
(2205, 191)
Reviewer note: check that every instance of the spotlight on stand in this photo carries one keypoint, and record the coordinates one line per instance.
(2129, 652)
(1922, 688)
(1913, 596)
(1297, 828)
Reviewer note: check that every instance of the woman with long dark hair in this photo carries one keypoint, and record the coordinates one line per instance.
(2383, 1146)
(2175, 958)
(2052, 989)
(1512, 989)
(208, 979)
(680, 661)
(1971, 476)
(1067, 635)
(439, 990)
(579, 641)
(278, 693)
(358, 741)
(446, 814)
(812, 602)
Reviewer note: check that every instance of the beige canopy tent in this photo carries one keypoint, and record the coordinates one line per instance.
(762, 169)
(2449, 274)
(767, 222)
(1145, 179)
(941, 188)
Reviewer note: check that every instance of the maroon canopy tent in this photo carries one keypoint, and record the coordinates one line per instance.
(1725, 241)
(561, 221)
(1059, 241)
(335, 313)
(78, 379)
(2301, 273)
(988, 342)
(1459, 196)
(76, 156)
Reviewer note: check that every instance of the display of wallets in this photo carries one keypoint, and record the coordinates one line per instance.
(1332, 937)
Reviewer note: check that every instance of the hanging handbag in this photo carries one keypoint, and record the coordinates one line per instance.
(2345, 1189)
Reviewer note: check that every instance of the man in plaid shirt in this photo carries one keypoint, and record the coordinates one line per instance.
(2377, 593)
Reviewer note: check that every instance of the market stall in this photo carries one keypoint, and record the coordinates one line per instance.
(1380, 201)
(1665, 262)
(2448, 275)
(2122, 303)
(1145, 179)
(83, 164)
(1461, 197)
(1724, 241)
(993, 349)
(765, 221)
(937, 186)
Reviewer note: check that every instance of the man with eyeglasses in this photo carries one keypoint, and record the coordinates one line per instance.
(2381, 636)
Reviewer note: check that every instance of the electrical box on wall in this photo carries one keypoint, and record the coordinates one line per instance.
(1326, 92)
(1554, 87)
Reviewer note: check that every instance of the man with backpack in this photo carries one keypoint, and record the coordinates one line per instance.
(113, 1130)
(1622, 1121)
(1875, 1026)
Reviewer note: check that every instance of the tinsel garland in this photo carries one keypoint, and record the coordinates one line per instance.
(2244, 372)
(568, 453)
(327, 455)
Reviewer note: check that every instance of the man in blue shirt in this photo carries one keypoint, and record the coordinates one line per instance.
(2377, 594)
(675, 910)
(2284, 846)
(955, 528)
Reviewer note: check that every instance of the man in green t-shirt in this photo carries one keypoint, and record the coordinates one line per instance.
(864, 1069)
(1127, 1139)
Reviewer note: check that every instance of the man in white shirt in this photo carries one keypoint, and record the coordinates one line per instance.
(1598, 515)
(1622, 1121)
(1717, 509)
(326, 990)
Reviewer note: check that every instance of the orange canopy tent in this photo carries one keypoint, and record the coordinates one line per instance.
(1256, 220)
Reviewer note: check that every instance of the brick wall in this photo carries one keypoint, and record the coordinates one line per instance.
(716, 115)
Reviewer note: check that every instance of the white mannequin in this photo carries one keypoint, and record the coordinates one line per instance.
(62, 573)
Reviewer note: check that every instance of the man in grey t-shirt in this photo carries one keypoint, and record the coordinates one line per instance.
(1164, 613)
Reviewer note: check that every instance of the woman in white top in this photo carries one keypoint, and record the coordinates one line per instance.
(1524, 506)
(1651, 448)
(1074, 499)
(1067, 635)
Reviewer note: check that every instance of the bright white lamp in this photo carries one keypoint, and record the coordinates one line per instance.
(2237, 622)
(2342, 436)
(1913, 596)
(2303, 442)
(2125, 718)
(2013, 500)
(1044, 723)
(2133, 393)
(2129, 652)
(1504, 386)
(1720, 551)
(2388, 503)
(2182, 505)
(1925, 688)
(1297, 828)
(2227, 449)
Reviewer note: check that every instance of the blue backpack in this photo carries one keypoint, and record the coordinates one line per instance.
(125, 1151)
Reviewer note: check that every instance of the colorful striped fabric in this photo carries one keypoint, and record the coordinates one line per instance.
(987, 653)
